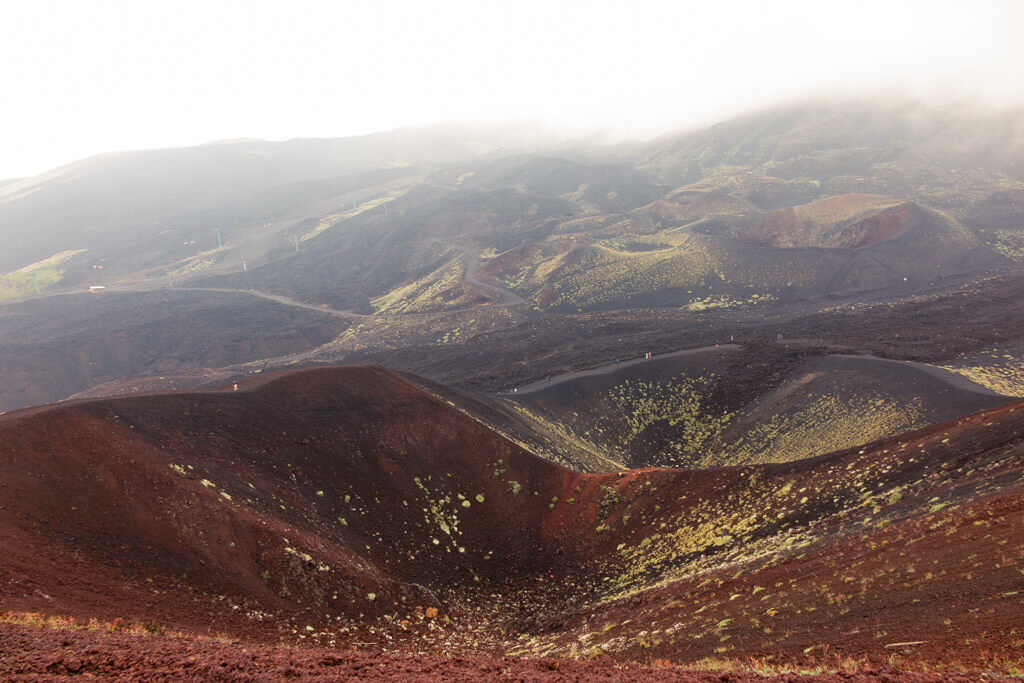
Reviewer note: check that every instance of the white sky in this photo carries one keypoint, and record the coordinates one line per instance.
(84, 77)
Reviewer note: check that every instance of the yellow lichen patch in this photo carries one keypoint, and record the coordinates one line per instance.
(196, 263)
(639, 405)
(993, 369)
(440, 290)
(306, 557)
(618, 269)
(331, 220)
(828, 423)
(1010, 244)
(49, 271)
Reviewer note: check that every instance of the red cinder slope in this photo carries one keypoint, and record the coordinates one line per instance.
(350, 505)
(338, 492)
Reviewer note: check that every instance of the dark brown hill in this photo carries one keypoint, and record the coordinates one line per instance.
(62, 345)
(339, 492)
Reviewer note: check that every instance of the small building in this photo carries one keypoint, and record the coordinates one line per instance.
(96, 288)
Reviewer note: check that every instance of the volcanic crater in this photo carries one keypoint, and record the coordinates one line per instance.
(354, 506)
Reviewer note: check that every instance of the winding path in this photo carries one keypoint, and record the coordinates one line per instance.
(611, 367)
(506, 297)
(271, 297)
(948, 376)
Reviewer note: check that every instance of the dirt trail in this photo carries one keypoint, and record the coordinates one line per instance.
(948, 376)
(611, 367)
(276, 298)
(506, 297)
(142, 288)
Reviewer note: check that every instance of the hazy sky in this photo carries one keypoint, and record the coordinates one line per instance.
(84, 77)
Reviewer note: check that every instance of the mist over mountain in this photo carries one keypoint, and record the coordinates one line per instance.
(747, 390)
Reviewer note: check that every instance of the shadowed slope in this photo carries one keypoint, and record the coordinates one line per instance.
(333, 491)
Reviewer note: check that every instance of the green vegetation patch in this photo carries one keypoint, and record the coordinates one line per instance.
(49, 271)
(827, 423)
(635, 244)
(197, 263)
(334, 219)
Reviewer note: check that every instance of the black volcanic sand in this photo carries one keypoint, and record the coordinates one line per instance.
(757, 390)
(61, 345)
(959, 315)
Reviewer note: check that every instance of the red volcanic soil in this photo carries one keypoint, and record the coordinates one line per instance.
(328, 492)
(31, 652)
(351, 508)
(881, 226)
(850, 220)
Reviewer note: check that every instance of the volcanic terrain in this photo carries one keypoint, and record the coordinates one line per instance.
(353, 507)
(466, 401)
(709, 407)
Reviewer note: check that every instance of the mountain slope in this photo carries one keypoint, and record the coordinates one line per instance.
(62, 345)
(453, 253)
(354, 502)
(344, 507)
(739, 406)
